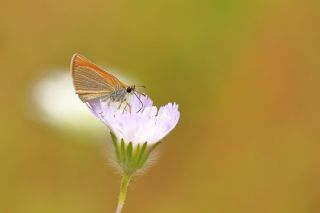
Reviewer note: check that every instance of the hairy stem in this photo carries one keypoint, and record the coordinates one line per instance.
(123, 192)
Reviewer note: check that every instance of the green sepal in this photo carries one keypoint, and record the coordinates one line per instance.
(131, 158)
(122, 152)
(142, 156)
(129, 152)
(115, 144)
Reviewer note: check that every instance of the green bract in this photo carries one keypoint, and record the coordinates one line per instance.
(131, 158)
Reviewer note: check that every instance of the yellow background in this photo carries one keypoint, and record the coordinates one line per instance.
(244, 73)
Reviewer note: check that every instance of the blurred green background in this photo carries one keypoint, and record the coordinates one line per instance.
(244, 73)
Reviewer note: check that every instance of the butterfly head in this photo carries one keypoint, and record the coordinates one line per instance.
(130, 89)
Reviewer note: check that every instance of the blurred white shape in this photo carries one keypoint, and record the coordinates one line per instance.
(59, 106)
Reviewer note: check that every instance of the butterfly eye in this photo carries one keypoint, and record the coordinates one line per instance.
(129, 89)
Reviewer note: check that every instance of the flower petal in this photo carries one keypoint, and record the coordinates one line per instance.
(142, 123)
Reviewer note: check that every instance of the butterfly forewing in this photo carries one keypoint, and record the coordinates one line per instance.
(90, 81)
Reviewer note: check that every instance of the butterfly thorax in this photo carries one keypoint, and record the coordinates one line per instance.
(119, 95)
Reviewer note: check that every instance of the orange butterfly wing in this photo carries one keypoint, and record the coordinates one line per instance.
(90, 81)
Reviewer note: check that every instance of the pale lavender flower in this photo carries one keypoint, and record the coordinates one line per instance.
(137, 122)
(136, 129)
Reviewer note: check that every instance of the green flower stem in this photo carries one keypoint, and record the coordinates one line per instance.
(123, 191)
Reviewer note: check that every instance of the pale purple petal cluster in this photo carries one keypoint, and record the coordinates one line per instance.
(142, 123)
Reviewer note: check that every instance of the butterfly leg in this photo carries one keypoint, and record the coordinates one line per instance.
(119, 107)
(106, 100)
(138, 97)
(125, 108)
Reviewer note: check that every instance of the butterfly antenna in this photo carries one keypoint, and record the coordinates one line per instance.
(140, 102)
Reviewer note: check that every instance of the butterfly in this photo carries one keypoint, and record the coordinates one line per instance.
(92, 82)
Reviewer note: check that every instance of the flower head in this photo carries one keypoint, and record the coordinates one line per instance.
(136, 129)
(138, 121)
